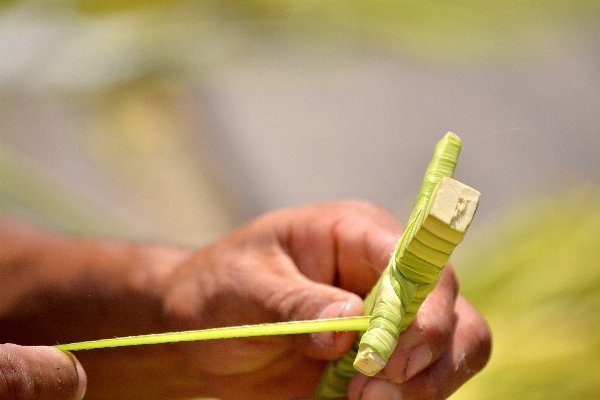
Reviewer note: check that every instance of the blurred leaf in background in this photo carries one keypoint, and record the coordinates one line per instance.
(536, 277)
(89, 63)
(30, 192)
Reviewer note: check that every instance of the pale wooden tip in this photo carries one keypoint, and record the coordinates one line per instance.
(452, 134)
(455, 204)
(368, 361)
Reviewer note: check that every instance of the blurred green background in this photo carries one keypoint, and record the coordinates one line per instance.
(179, 120)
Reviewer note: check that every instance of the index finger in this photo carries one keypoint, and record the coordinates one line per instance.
(345, 243)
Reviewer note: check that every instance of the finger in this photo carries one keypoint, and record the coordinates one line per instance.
(469, 351)
(40, 373)
(467, 354)
(424, 342)
(298, 298)
(346, 244)
(332, 345)
(428, 337)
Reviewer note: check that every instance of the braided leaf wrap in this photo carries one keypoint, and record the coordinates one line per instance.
(412, 272)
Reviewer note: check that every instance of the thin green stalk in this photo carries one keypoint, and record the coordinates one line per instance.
(279, 328)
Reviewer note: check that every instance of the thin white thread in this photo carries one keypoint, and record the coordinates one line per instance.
(494, 133)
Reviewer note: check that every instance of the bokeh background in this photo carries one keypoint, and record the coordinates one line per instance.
(179, 120)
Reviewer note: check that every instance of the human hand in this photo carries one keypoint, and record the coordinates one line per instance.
(448, 342)
(308, 263)
(296, 264)
(36, 372)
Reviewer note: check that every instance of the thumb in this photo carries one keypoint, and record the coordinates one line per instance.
(313, 300)
(37, 372)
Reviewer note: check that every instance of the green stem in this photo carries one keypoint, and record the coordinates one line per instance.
(278, 328)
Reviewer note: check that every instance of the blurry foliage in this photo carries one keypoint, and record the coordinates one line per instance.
(171, 37)
(141, 139)
(460, 32)
(536, 278)
(145, 138)
(29, 191)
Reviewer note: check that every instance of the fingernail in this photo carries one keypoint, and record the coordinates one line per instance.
(418, 359)
(82, 386)
(378, 389)
(334, 310)
(81, 389)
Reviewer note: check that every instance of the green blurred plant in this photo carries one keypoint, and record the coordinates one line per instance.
(457, 32)
(28, 191)
(536, 278)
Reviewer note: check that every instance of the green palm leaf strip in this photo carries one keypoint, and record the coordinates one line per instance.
(278, 328)
(438, 222)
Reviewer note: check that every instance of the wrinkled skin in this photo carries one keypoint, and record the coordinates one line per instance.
(296, 264)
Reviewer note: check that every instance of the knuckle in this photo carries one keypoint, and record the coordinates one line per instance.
(365, 208)
(482, 343)
(432, 391)
(436, 324)
(439, 335)
(375, 210)
(428, 387)
(436, 318)
(451, 279)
